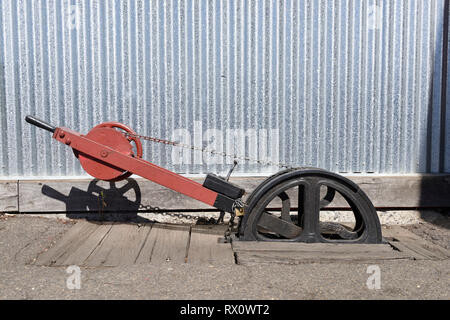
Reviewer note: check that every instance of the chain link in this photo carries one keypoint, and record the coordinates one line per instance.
(157, 210)
(209, 151)
(238, 203)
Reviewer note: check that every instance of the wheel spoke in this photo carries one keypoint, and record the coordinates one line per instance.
(300, 204)
(310, 205)
(94, 187)
(124, 189)
(328, 197)
(278, 226)
(285, 207)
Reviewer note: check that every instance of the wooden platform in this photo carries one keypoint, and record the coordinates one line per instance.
(401, 244)
(411, 244)
(91, 244)
(113, 244)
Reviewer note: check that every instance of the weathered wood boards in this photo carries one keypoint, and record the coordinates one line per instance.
(91, 244)
(250, 253)
(165, 244)
(121, 246)
(69, 243)
(405, 191)
(79, 196)
(407, 246)
(84, 251)
(205, 248)
(9, 196)
(413, 245)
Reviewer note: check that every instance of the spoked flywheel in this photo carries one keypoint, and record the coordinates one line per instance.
(294, 205)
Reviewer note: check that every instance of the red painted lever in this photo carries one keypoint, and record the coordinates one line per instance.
(143, 168)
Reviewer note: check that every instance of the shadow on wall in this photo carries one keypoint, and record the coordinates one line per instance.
(436, 144)
(100, 204)
(435, 197)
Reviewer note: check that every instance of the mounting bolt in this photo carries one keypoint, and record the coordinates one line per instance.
(68, 141)
(104, 153)
(62, 134)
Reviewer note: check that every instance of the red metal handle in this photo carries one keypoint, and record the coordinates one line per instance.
(141, 168)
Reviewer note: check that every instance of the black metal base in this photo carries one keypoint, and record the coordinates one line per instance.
(313, 189)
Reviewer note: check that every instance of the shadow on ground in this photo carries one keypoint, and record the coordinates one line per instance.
(101, 204)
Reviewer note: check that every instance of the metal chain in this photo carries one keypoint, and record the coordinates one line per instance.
(209, 151)
(158, 210)
(229, 231)
(205, 150)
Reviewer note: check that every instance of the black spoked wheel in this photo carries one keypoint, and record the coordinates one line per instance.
(293, 205)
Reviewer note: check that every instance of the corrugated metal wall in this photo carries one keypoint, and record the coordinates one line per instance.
(350, 86)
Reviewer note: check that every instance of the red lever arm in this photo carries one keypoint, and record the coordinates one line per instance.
(143, 168)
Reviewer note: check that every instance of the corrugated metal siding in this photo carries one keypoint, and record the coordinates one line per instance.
(346, 91)
(446, 140)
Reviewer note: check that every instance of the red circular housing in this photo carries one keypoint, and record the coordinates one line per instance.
(107, 135)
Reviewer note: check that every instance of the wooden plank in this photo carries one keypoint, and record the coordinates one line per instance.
(70, 241)
(296, 257)
(310, 247)
(165, 244)
(205, 248)
(80, 254)
(9, 196)
(215, 229)
(78, 196)
(279, 226)
(402, 191)
(258, 252)
(406, 250)
(127, 250)
(395, 191)
(408, 242)
(409, 191)
(120, 247)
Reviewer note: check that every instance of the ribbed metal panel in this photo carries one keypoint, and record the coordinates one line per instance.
(350, 86)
